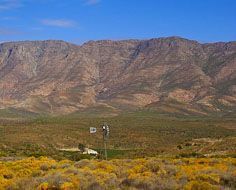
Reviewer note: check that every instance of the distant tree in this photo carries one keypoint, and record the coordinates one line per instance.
(81, 147)
(179, 147)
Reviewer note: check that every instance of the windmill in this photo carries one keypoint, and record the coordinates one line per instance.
(105, 133)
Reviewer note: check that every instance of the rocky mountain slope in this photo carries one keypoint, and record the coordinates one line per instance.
(169, 75)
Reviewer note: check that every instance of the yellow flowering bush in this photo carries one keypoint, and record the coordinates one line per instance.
(149, 173)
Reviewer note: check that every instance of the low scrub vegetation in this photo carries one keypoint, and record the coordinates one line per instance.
(131, 136)
(146, 173)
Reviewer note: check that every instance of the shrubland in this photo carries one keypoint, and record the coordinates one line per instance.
(132, 135)
(146, 151)
(144, 173)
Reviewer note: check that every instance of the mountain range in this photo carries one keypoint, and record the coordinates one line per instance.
(169, 75)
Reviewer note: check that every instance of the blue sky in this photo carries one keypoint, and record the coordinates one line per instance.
(78, 21)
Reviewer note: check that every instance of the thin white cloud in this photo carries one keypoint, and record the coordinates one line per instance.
(9, 31)
(8, 18)
(36, 28)
(10, 4)
(92, 2)
(59, 23)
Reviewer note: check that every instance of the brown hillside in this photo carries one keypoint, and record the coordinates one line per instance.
(171, 75)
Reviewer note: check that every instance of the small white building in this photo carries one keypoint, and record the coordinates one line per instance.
(90, 151)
